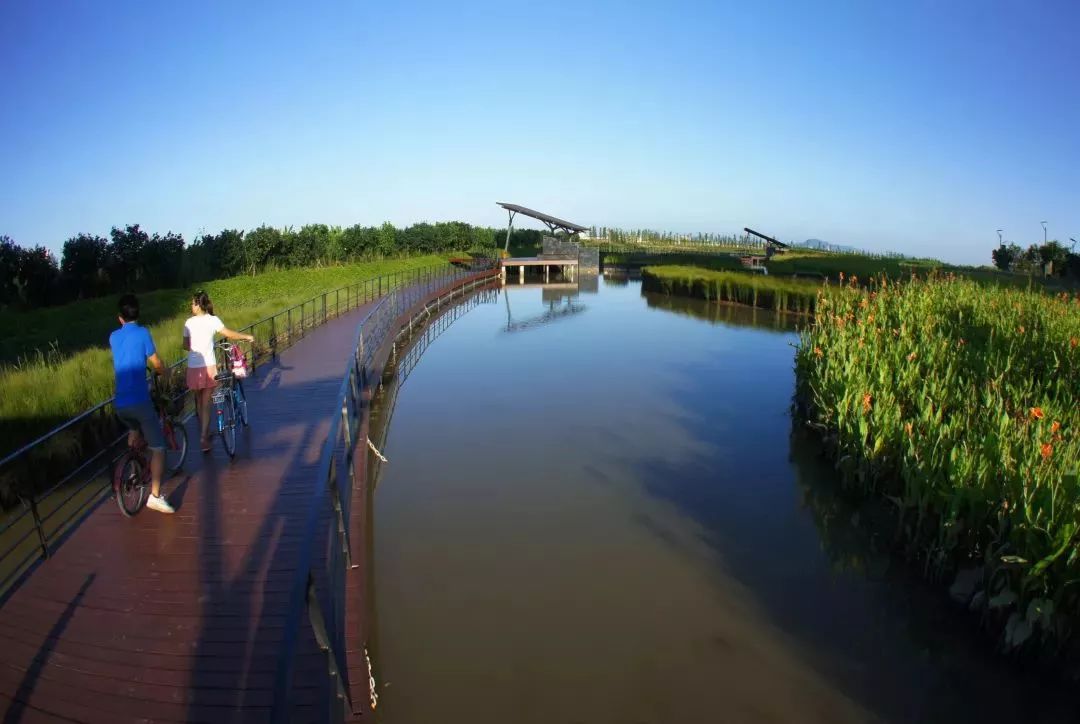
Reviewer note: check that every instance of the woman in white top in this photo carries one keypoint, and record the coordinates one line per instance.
(199, 333)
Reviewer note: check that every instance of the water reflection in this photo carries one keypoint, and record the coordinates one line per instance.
(608, 520)
(557, 297)
(725, 313)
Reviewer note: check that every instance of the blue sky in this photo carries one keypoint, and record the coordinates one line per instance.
(918, 127)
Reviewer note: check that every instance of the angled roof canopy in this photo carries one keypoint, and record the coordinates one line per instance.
(768, 239)
(552, 222)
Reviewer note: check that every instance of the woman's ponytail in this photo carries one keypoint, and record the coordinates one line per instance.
(202, 301)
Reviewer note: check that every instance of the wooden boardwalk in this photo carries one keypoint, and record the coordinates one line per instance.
(178, 618)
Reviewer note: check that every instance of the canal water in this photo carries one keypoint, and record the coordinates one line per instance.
(595, 510)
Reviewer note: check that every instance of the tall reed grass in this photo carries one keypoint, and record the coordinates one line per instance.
(957, 402)
(766, 292)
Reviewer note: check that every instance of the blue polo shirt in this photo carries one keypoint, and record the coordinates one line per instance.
(131, 345)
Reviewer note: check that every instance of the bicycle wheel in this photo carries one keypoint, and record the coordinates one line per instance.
(227, 425)
(129, 484)
(241, 403)
(176, 444)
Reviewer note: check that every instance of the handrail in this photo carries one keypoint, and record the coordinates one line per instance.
(373, 332)
(96, 430)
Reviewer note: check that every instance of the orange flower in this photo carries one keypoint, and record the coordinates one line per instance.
(907, 428)
(1055, 427)
(1021, 329)
(870, 319)
(911, 357)
(818, 352)
(1047, 450)
(863, 304)
(867, 399)
(1036, 413)
(1073, 342)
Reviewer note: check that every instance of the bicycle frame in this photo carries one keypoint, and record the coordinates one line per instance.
(223, 395)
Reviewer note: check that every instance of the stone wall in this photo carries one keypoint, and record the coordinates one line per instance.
(588, 256)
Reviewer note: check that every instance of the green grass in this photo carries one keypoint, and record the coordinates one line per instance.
(45, 389)
(957, 402)
(781, 294)
(823, 266)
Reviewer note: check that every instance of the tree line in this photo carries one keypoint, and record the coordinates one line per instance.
(132, 259)
(1051, 258)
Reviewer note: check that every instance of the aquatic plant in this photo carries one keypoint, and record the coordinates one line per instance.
(957, 402)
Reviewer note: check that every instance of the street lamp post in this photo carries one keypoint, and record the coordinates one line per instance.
(999, 237)
(1044, 232)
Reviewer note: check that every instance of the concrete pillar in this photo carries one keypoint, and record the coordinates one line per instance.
(521, 274)
(547, 273)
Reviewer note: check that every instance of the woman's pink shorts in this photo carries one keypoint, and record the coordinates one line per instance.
(201, 378)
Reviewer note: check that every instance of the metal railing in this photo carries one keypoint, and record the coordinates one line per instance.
(325, 608)
(62, 474)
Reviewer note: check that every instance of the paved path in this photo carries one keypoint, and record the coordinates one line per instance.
(178, 618)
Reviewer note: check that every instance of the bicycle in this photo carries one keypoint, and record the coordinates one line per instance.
(131, 475)
(228, 398)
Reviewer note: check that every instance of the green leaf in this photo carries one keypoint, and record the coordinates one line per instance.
(1003, 600)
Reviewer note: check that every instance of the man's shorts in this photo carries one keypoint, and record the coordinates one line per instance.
(144, 419)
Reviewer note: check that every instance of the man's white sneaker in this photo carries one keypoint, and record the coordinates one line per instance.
(158, 503)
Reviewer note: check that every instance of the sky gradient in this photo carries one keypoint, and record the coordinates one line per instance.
(916, 127)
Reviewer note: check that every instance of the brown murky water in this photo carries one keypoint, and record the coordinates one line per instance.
(595, 511)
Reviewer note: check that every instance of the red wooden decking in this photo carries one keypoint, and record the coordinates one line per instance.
(178, 618)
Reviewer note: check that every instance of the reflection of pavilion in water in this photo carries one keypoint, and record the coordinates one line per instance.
(559, 298)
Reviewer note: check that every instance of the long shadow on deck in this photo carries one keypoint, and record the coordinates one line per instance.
(243, 614)
(18, 707)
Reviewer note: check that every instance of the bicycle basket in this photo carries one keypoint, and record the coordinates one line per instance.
(238, 363)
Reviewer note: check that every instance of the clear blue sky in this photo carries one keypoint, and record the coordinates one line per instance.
(912, 126)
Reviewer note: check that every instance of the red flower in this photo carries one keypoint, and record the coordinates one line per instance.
(1055, 427)
(1047, 450)
(1036, 413)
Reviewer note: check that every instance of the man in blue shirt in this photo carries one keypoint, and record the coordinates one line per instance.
(132, 346)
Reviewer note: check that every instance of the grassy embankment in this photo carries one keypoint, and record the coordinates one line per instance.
(957, 403)
(795, 278)
(767, 292)
(43, 388)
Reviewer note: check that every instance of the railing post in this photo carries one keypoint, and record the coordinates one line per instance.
(324, 307)
(290, 325)
(273, 338)
(337, 303)
(37, 524)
